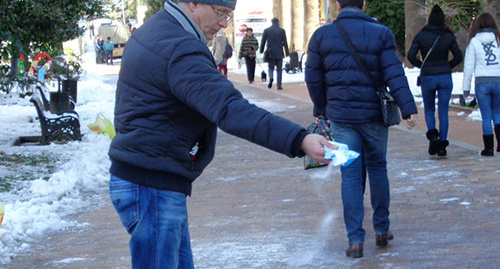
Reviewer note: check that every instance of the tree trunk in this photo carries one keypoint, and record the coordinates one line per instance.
(413, 23)
(492, 7)
(334, 10)
(311, 21)
(297, 39)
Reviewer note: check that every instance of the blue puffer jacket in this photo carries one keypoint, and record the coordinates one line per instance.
(337, 86)
(171, 97)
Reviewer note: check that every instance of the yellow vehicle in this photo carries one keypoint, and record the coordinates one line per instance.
(119, 36)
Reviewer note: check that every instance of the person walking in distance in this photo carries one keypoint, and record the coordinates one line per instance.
(170, 102)
(482, 58)
(218, 48)
(341, 92)
(275, 37)
(434, 42)
(248, 50)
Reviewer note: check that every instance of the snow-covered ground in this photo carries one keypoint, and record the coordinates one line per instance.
(39, 205)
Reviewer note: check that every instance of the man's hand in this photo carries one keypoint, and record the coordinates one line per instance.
(411, 121)
(313, 144)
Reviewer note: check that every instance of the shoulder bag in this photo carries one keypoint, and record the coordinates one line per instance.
(419, 80)
(390, 110)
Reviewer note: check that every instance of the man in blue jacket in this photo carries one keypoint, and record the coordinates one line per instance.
(341, 92)
(170, 99)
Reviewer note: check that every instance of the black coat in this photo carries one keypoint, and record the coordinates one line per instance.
(275, 37)
(437, 62)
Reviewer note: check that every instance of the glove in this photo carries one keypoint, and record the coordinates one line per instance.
(466, 93)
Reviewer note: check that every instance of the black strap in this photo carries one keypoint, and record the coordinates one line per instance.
(358, 59)
(429, 52)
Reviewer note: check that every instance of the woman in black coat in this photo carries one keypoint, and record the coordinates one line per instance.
(435, 75)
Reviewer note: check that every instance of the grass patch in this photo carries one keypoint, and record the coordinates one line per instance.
(18, 168)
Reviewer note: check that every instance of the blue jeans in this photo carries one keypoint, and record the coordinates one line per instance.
(157, 221)
(369, 139)
(488, 99)
(443, 85)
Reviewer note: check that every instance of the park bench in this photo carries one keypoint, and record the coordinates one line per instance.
(55, 126)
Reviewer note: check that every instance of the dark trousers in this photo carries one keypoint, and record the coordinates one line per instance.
(279, 66)
(250, 62)
(109, 55)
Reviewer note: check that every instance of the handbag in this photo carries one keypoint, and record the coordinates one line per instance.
(419, 79)
(323, 129)
(389, 107)
(266, 55)
(228, 50)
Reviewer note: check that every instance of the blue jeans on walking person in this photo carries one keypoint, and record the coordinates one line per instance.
(488, 99)
(369, 139)
(157, 221)
(443, 85)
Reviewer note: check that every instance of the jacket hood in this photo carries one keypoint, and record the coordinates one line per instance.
(486, 36)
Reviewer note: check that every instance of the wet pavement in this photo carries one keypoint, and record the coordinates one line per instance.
(254, 208)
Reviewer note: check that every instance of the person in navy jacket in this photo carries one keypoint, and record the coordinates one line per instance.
(170, 100)
(341, 92)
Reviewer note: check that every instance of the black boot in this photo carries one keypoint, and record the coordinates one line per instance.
(442, 147)
(497, 134)
(433, 137)
(488, 145)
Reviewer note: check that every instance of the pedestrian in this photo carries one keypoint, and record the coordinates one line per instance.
(482, 58)
(248, 50)
(342, 93)
(218, 48)
(435, 75)
(108, 50)
(275, 37)
(170, 102)
(99, 49)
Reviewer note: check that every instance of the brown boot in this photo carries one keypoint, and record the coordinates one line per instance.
(355, 250)
(381, 240)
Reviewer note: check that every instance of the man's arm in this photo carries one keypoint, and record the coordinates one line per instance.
(314, 77)
(285, 44)
(263, 42)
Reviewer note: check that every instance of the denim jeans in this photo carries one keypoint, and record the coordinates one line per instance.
(369, 139)
(488, 99)
(157, 221)
(443, 85)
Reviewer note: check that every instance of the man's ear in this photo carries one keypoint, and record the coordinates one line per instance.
(338, 6)
(364, 6)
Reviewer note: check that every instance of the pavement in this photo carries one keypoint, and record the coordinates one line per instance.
(254, 208)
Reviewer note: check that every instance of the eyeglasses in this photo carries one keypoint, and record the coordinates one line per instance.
(221, 14)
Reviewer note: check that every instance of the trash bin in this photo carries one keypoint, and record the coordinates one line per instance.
(59, 102)
(70, 87)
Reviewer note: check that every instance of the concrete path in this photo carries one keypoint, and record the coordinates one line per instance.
(253, 208)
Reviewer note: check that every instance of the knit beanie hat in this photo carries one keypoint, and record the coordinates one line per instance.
(436, 17)
(226, 3)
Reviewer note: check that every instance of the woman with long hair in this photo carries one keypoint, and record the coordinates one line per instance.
(434, 42)
(482, 58)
